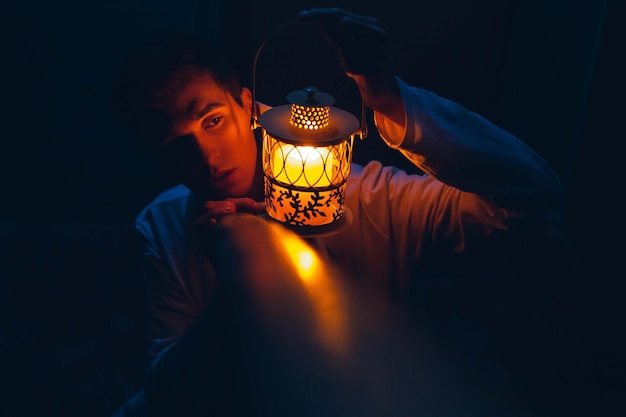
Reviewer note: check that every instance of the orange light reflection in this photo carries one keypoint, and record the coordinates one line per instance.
(318, 279)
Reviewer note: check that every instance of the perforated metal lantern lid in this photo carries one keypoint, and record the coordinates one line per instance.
(309, 119)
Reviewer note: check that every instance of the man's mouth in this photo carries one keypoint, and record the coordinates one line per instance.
(223, 177)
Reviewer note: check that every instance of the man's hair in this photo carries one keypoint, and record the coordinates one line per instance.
(159, 68)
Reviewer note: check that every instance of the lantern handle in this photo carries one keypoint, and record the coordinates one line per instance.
(254, 124)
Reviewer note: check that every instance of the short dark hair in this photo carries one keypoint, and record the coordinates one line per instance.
(160, 67)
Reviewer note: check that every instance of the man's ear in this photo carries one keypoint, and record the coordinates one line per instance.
(246, 98)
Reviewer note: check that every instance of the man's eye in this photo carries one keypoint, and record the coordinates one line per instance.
(212, 121)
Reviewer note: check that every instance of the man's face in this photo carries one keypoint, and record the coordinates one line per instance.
(208, 145)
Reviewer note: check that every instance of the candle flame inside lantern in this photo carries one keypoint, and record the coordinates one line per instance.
(303, 166)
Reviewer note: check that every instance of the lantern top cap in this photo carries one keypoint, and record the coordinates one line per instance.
(310, 97)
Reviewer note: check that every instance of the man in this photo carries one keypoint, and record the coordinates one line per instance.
(185, 105)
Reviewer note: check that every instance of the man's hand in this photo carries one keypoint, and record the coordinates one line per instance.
(363, 48)
(361, 42)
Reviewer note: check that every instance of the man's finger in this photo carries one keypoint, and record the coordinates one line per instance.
(219, 208)
(246, 205)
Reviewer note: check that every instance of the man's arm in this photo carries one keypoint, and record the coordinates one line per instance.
(458, 147)
(468, 152)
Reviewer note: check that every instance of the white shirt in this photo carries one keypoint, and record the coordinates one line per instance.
(478, 180)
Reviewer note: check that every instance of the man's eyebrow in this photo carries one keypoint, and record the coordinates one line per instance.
(197, 113)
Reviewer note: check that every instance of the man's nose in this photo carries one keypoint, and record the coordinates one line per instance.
(208, 148)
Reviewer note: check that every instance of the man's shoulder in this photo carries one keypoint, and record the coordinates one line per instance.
(171, 202)
(176, 193)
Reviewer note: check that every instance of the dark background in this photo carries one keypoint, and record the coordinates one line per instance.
(73, 180)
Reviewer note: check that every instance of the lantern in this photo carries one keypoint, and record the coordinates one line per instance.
(307, 152)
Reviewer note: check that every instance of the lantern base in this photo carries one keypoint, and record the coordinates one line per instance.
(319, 231)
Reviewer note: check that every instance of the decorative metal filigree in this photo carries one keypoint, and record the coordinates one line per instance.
(303, 208)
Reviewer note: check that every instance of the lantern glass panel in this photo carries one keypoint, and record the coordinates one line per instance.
(305, 184)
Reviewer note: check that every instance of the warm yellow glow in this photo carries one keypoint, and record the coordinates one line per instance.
(305, 185)
(317, 278)
(310, 118)
(304, 258)
(328, 210)
(305, 263)
(304, 166)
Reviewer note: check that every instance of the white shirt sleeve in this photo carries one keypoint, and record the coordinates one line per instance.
(468, 152)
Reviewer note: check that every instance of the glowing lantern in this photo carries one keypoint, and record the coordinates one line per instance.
(307, 151)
